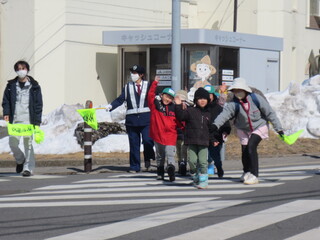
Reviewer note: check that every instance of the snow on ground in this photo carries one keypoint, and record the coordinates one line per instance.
(298, 107)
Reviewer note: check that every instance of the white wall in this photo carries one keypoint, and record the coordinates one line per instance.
(60, 38)
(16, 36)
(287, 19)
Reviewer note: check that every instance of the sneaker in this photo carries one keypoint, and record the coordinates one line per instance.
(132, 171)
(252, 179)
(26, 173)
(19, 168)
(195, 178)
(220, 172)
(183, 169)
(203, 181)
(160, 173)
(210, 170)
(244, 176)
(171, 172)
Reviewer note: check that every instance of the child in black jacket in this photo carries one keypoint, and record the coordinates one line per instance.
(198, 134)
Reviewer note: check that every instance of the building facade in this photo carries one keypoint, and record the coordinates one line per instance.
(63, 39)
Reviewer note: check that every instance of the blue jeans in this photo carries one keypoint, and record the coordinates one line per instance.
(214, 155)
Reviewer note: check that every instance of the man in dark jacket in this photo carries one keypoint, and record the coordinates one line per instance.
(22, 104)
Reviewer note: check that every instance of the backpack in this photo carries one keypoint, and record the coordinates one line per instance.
(255, 101)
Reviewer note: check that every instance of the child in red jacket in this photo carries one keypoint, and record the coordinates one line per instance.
(163, 128)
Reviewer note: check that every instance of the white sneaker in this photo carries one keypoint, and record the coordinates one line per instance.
(244, 176)
(252, 179)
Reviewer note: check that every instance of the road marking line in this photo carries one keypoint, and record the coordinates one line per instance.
(185, 180)
(136, 189)
(294, 173)
(285, 178)
(119, 195)
(277, 169)
(311, 234)
(183, 185)
(4, 180)
(253, 221)
(105, 203)
(40, 177)
(148, 221)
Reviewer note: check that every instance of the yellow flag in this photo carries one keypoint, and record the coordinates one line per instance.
(38, 135)
(89, 116)
(292, 138)
(20, 129)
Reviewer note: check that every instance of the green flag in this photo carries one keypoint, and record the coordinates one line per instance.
(20, 129)
(89, 116)
(38, 135)
(292, 138)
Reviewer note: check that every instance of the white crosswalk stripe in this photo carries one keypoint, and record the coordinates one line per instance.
(142, 188)
(253, 221)
(148, 221)
(4, 180)
(312, 234)
(39, 177)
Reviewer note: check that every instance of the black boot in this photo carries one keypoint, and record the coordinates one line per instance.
(183, 168)
(171, 172)
(160, 173)
(220, 172)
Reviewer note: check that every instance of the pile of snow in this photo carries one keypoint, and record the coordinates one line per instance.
(59, 126)
(298, 107)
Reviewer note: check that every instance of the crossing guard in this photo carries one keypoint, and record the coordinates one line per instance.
(134, 95)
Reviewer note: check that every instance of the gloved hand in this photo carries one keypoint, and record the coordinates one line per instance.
(214, 128)
(281, 133)
(108, 107)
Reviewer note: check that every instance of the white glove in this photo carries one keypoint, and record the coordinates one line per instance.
(108, 107)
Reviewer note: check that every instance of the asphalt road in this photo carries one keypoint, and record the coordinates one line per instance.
(118, 205)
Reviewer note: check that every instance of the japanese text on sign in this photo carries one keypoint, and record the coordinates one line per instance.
(145, 37)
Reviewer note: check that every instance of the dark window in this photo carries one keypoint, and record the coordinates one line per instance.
(160, 65)
(314, 14)
(228, 64)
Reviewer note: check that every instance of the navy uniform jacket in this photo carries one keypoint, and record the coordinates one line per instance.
(136, 119)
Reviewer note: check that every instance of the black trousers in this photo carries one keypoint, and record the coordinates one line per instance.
(250, 159)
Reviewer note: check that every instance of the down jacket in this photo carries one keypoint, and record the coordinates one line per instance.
(35, 101)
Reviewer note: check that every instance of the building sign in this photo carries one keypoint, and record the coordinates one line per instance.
(165, 83)
(227, 72)
(128, 38)
(163, 71)
(165, 77)
(193, 36)
(227, 76)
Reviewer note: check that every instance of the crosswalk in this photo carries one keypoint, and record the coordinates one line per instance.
(142, 188)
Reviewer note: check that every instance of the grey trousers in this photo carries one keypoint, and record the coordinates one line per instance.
(163, 152)
(182, 152)
(26, 157)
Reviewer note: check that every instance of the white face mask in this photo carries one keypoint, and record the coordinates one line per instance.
(135, 77)
(240, 95)
(22, 73)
